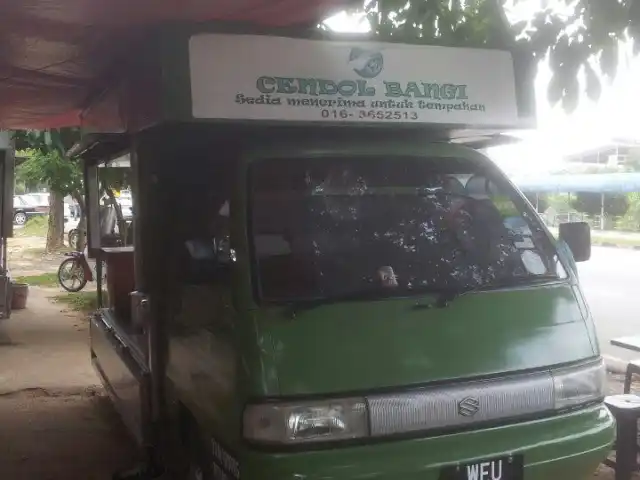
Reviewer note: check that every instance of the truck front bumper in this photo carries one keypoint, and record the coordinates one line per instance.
(568, 447)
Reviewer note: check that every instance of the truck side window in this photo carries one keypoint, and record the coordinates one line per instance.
(208, 246)
(221, 235)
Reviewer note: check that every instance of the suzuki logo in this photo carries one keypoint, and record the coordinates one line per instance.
(468, 407)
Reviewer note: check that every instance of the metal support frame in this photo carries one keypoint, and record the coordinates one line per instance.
(626, 410)
(7, 182)
(602, 211)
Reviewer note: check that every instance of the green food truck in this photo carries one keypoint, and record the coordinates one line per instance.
(327, 279)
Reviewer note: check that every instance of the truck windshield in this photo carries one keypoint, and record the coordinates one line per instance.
(324, 228)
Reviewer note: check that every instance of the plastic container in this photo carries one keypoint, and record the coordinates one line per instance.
(19, 294)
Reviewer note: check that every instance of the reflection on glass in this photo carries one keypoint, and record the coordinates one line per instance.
(331, 227)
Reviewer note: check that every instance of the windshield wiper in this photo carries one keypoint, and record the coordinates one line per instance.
(444, 295)
(451, 294)
(301, 304)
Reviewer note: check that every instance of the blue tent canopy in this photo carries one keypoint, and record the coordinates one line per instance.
(596, 183)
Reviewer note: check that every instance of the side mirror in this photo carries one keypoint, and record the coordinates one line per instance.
(577, 235)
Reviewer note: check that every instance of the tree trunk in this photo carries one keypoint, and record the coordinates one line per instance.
(55, 232)
(82, 223)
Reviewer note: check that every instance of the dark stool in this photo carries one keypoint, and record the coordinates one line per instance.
(626, 410)
(633, 367)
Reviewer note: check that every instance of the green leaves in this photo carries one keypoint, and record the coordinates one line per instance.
(615, 205)
(53, 169)
(634, 25)
(47, 141)
(439, 22)
(594, 89)
(46, 163)
(577, 37)
(609, 59)
(115, 178)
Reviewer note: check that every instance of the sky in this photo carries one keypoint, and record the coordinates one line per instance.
(615, 114)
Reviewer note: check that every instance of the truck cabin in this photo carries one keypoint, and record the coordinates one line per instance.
(318, 193)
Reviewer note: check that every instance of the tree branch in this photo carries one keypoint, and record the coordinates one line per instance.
(505, 33)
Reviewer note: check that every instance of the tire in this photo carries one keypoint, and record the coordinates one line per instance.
(191, 454)
(196, 472)
(198, 468)
(71, 268)
(73, 237)
(20, 218)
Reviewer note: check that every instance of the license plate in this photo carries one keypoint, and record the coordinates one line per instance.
(504, 468)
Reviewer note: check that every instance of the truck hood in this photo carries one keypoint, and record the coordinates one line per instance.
(363, 346)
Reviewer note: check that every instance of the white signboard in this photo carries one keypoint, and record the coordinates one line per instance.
(273, 78)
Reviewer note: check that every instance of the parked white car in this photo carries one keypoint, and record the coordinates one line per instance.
(38, 199)
(23, 209)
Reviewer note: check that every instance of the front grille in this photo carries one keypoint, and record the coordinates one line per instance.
(461, 404)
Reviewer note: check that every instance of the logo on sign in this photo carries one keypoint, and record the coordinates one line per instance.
(366, 63)
(468, 407)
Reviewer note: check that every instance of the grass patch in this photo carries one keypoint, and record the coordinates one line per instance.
(36, 226)
(39, 252)
(43, 251)
(85, 302)
(614, 240)
(611, 239)
(42, 280)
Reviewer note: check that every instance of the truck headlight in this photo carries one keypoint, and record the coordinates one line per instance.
(579, 385)
(293, 423)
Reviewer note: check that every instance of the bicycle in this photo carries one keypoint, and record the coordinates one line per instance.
(73, 238)
(74, 272)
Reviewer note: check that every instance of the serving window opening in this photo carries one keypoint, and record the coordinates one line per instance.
(110, 235)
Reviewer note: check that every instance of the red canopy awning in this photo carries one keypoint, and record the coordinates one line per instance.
(55, 53)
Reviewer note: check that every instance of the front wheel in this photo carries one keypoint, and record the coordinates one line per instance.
(71, 275)
(198, 462)
(196, 471)
(73, 237)
(20, 218)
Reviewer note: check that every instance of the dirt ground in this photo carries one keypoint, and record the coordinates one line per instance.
(60, 436)
(55, 421)
(25, 256)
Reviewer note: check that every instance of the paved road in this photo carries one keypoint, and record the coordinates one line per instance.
(611, 282)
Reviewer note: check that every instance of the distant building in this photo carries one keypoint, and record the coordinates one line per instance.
(619, 154)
